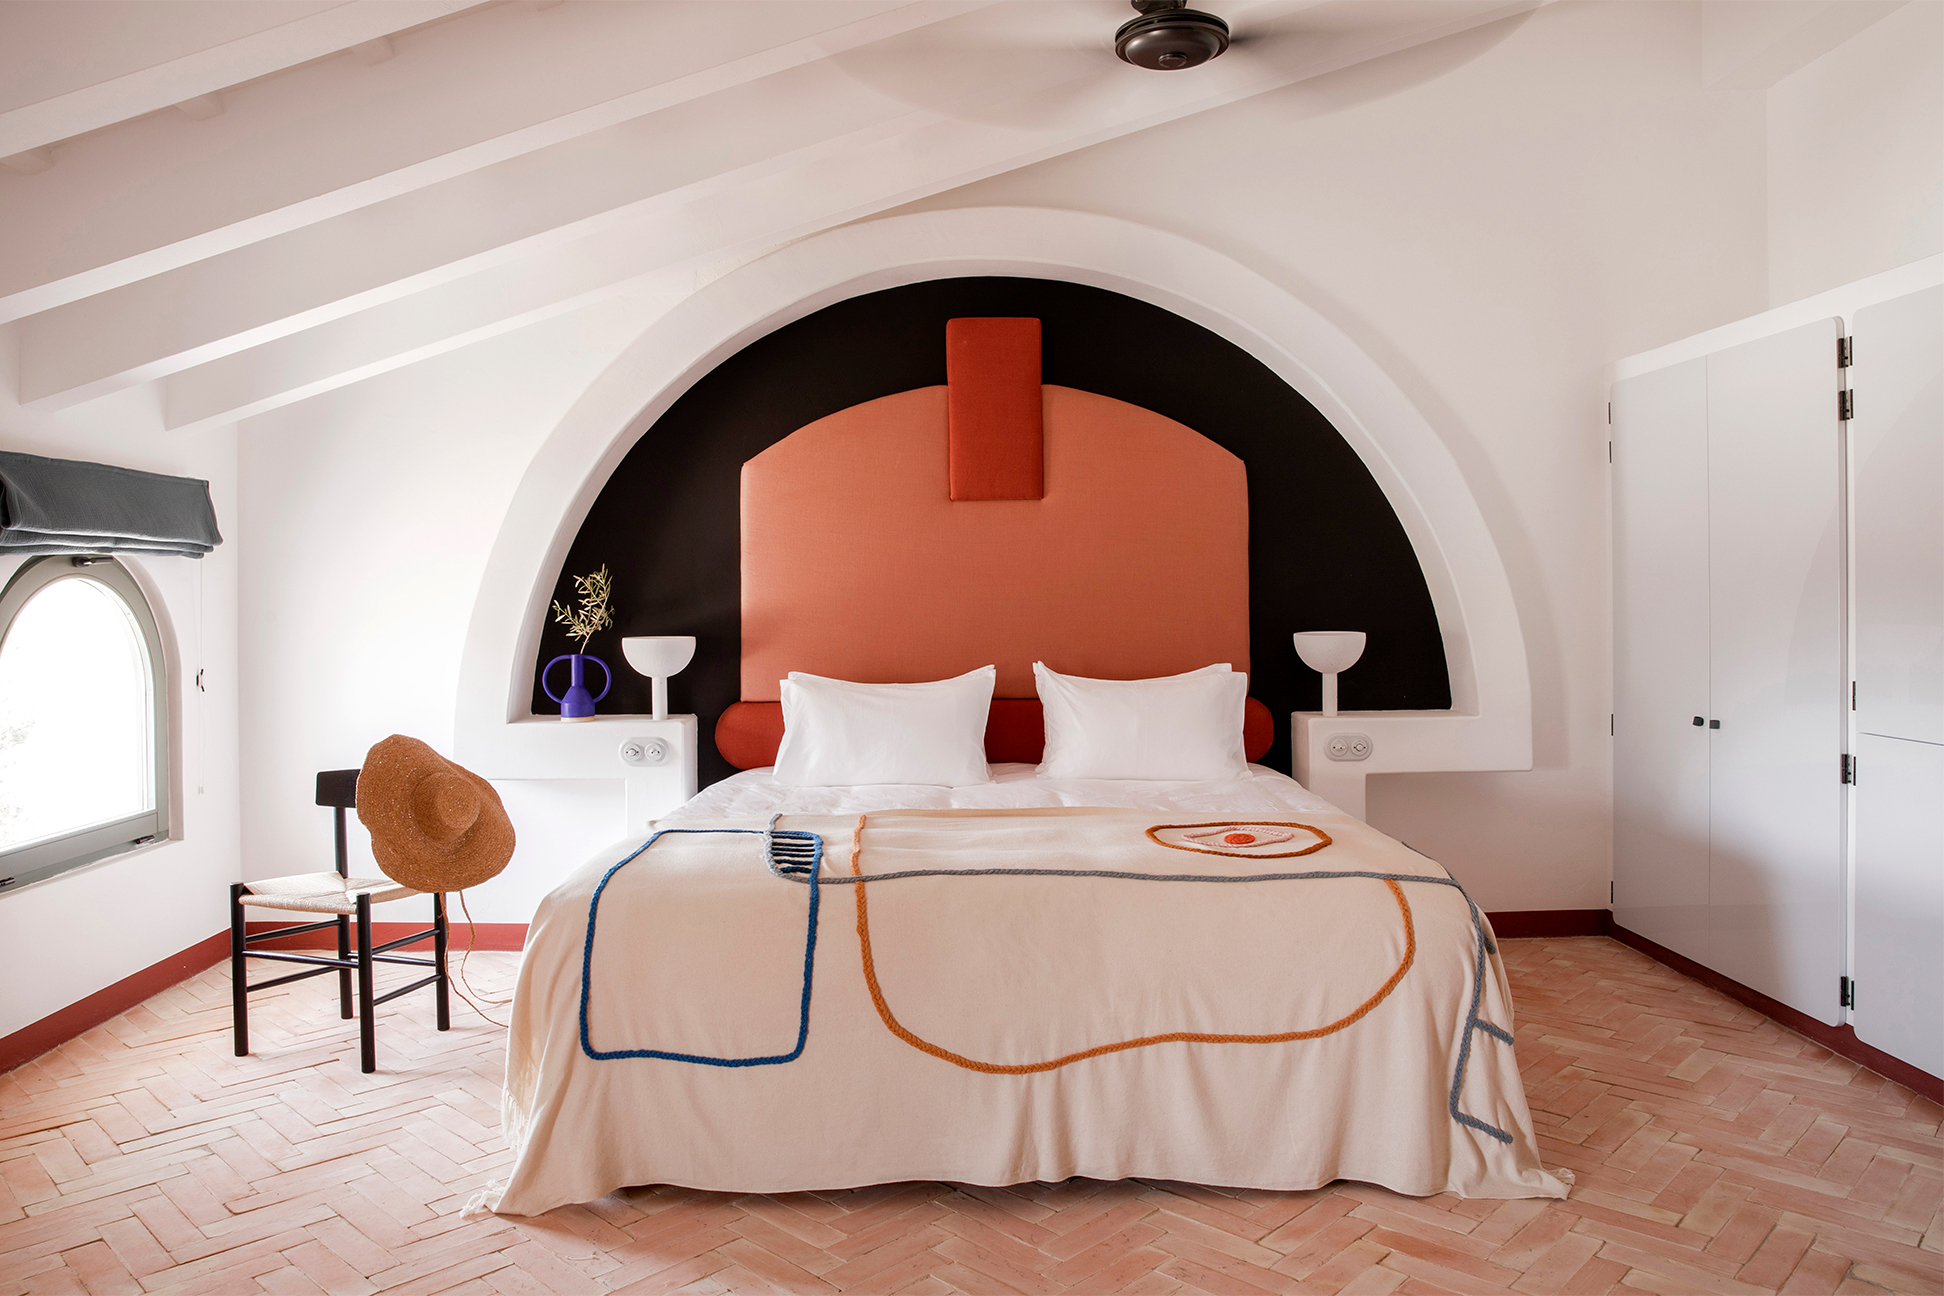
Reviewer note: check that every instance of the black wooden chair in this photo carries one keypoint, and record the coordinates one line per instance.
(346, 898)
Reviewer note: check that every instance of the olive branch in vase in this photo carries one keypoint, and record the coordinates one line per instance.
(593, 612)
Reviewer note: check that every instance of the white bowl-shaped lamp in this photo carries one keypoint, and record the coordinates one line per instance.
(1329, 652)
(658, 657)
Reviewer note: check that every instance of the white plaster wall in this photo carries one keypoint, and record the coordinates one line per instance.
(1494, 219)
(63, 939)
(1493, 234)
(1856, 157)
(374, 507)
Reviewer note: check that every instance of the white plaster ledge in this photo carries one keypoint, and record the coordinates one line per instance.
(1401, 742)
(546, 747)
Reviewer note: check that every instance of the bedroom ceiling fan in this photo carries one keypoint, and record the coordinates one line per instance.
(1168, 36)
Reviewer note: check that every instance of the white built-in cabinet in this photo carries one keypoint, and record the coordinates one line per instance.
(1729, 691)
(1897, 452)
(1778, 605)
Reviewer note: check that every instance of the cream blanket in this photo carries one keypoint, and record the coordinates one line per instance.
(744, 1031)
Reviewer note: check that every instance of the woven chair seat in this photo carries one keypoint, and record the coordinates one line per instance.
(321, 892)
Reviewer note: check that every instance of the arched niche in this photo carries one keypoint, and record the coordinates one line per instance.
(1325, 548)
(1488, 722)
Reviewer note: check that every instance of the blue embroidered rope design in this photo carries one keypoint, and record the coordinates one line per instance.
(805, 853)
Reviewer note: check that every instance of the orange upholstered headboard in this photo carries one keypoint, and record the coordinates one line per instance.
(908, 538)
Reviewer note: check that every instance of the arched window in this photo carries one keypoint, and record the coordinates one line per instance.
(84, 718)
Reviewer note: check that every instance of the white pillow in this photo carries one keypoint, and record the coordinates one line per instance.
(836, 733)
(1177, 727)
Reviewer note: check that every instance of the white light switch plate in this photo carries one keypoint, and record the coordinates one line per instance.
(1349, 747)
(644, 751)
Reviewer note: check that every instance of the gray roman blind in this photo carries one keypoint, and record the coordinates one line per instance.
(64, 506)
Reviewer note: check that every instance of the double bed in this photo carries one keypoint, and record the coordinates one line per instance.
(791, 986)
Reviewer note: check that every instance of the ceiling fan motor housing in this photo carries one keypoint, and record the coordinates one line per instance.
(1169, 36)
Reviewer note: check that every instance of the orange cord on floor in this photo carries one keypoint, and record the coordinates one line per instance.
(463, 956)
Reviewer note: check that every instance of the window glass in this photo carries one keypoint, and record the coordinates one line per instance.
(77, 714)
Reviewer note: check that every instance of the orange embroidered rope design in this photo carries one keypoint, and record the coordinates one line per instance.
(1322, 839)
(892, 1024)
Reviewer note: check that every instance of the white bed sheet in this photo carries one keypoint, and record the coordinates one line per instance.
(1265, 794)
(694, 997)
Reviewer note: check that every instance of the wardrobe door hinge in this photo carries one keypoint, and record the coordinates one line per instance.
(1849, 769)
(1845, 992)
(1845, 405)
(1845, 352)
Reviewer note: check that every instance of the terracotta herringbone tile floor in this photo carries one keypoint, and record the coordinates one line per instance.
(1715, 1152)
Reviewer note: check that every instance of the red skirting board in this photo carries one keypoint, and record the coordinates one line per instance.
(58, 1028)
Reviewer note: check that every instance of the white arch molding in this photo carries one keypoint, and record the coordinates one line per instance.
(1489, 726)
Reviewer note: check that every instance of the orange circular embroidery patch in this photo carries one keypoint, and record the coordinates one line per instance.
(1218, 838)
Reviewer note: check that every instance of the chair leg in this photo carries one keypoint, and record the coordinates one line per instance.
(367, 1011)
(239, 973)
(439, 942)
(344, 974)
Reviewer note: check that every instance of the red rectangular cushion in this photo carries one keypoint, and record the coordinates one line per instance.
(749, 733)
(994, 421)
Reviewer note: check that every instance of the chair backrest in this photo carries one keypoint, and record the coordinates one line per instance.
(339, 790)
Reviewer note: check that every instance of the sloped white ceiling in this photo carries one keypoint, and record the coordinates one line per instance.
(242, 212)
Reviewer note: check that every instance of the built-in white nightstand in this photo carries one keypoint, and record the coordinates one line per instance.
(658, 767)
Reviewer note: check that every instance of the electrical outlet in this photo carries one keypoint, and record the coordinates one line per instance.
(644, 751)
(1349, 747)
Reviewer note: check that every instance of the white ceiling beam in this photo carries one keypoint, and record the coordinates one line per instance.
(373, 52)
(152, 89)
(280, 161)
(395, 334)
(204, 107)
(662, 244)
(32, 162)
(199, 312)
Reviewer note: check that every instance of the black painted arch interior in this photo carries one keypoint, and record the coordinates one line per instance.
(1326, 551)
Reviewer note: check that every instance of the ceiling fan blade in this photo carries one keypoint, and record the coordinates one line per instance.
(1296, 43)
(1316, 32)
(972, 66)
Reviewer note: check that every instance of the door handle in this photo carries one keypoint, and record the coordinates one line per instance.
(1714, 724)
(1697, 722)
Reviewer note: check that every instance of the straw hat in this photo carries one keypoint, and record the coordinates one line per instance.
(435, 826)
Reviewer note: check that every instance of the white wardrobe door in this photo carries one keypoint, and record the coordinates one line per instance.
(1660, 657)
(1897, 447)
(1900, 899)
(1775, 549)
